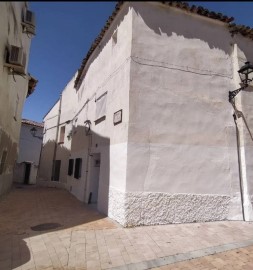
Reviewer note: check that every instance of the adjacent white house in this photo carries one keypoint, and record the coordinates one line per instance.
(145, 129)
(30, 142)
(17, 27)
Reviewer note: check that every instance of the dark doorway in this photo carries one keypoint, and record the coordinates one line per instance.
(57, 168)
(94, 178)
(78, 168)
(27, 173)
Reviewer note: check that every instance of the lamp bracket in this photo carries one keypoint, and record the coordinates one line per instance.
(232, 94)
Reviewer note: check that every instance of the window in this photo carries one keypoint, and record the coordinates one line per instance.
(62, 134)
(3, 160)
(101, 107)
(70, 169)
(78, 168)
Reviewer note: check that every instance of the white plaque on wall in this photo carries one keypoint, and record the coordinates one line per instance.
(117, 117)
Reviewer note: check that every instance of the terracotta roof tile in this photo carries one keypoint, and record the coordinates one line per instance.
(233, 28)
(32, 123)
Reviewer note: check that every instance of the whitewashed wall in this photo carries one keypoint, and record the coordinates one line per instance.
(174, 157)
(108, 71)
(182, 158)
(68, 109)
(245, 124)
(49, 139)
(29, 147)
(11, 92)
(29, 151)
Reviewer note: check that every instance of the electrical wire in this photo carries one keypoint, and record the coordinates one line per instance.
(179, 68)
(159, 64)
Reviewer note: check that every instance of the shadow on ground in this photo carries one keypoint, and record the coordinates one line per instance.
(28, 207)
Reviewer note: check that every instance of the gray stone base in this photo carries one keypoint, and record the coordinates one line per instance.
(152, 208)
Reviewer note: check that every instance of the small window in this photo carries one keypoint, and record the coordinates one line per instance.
(70, 169)
(101, 107)
(62, 134)
(3, 161)
(78, 168)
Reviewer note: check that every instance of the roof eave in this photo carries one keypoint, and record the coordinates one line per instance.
(198, 10)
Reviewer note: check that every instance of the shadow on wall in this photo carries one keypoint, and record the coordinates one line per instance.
(167, 21)
(239, 114)
(88, 177)
(8, 155)
(94, 180)
(47, 157)
(96, 50)
(54, 208)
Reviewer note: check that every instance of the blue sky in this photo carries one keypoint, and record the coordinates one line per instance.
(64, 33)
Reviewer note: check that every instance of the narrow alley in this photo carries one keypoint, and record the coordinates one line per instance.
(47, 228)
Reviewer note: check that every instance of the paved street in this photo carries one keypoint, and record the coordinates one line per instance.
(235, 259)
(84, 239)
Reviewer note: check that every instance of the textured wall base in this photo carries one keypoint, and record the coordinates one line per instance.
(150, 208)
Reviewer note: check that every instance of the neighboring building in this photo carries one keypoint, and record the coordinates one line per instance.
(145, 128)
(29, 152)
(17, 26)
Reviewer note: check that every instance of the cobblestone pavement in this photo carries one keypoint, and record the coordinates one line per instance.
(86, 239)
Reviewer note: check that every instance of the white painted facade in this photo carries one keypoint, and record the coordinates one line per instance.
(13, 88)
(29, 153)
(174, 156)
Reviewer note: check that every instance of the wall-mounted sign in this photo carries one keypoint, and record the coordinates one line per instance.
(117, 117)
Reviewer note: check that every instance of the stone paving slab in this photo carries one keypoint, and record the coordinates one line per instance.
(173, 259)
(87, 239)
(237, 259)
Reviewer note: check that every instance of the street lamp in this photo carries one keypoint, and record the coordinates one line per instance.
(246, 76)
(87, 125)
(34, 132)
(245, 71)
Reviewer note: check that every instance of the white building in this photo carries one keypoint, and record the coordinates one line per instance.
(26, 168)
(145, 128)
(17, 27)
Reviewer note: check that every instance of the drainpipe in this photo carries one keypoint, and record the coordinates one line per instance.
(239, 166)
(247, 206)
(56, 138)
(87, 159)
(41, 148)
